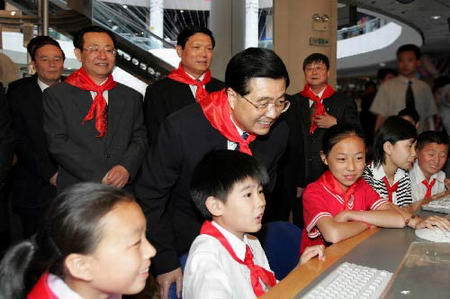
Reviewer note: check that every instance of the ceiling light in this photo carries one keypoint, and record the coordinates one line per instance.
(435, 17)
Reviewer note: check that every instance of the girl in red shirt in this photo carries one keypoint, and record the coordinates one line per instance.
(92, 244)
(340, 204)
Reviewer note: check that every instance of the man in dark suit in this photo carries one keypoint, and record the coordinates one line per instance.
(314, 109)
(184, 85)
(34, 176)
(241, 117)
(94, 125)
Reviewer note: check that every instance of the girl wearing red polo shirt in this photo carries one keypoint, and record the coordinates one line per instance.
(340, 204)
(92, 244)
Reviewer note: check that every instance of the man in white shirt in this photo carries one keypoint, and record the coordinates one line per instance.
(405, 91)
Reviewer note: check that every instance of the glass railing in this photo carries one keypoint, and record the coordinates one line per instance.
(360, 29)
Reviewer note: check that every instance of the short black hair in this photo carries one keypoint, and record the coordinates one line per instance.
(409, 48)
(78, 41)
(38, 42)
(393, 129)
(411, 113)
(336, 133)
(428, 137)
(254, 63)
(217, 173)
(187, 32)
(382, 73)
(317, 58)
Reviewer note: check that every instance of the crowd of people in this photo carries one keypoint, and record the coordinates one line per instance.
(110, 186)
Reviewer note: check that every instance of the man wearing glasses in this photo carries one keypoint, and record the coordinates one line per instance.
(94, 125)
(243, 117)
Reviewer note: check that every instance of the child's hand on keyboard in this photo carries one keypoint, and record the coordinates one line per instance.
(434, 222)
(312, 251)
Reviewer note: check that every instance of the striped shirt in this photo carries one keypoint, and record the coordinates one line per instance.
(374, 177)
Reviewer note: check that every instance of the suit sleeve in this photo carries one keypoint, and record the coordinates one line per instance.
(6, 138)
(160, 172)
(350, 115)
(65, 151)
(155, 111)
(132, 159)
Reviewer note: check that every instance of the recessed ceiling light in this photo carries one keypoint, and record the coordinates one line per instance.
(435, 17)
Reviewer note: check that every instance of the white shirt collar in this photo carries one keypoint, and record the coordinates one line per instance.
(42, 85)
(197, 79)
(320, 93)
(405, 79)
(417, 172)
(238, 245)
(379, 174)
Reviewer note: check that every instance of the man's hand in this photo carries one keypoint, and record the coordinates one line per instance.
(312, 251)
(53, 179)
(165, 280)
(325, 121)
(447, 183)
(300, 192)
(117, 176)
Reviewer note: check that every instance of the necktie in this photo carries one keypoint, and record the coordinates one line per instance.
(429, 186)
(409, 97)
(244, 137)
(390, 189)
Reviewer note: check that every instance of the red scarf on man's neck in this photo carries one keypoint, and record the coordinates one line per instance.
(180, 75)
(257, 273)
(218, 112)
(319, 107)
(328, 180)
(98, 109)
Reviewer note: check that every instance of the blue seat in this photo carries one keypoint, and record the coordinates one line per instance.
(173, 287)
(281, 242)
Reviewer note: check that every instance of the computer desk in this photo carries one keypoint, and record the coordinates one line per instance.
(383, 249)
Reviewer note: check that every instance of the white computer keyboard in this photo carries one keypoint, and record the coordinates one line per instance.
(351, 281)
(433, 234)
(441, 205)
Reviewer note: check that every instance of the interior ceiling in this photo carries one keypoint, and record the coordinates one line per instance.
(418, 14)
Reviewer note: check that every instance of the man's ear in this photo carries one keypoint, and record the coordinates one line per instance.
(79, 266)
(323, 157)
(179, 50)
(77, 54)
(387, 147)
(232, 97)
(214, 205)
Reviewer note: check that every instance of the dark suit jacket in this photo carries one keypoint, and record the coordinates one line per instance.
(80, 154)
(298, 118)
(163, 188)
(35, 166)
(6, 138)
(166, 96)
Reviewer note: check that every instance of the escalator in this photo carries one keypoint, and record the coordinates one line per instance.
(134, 40)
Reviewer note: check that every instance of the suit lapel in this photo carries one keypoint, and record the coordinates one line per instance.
(115, 106)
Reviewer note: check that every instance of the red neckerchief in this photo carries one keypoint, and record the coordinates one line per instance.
(257, 273)
(320, 108)
(218, 112)
(180, 75)
(41, 289)
(98, 109)
(329, 181)
(390, 189)
(429, 187)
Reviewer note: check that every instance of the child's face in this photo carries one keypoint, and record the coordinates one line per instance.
(407, 63)
(346, 160)
(432, 158)
(244, 208)
(121, 261)
(402, 154)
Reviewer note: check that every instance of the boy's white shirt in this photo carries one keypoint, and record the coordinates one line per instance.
(418, 188)
(211, 272)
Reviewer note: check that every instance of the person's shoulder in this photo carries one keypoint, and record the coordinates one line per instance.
(216, 84)
(164, 83)
(205, 245)
(422, 84)
(126, 89)
(313, 188)
(18, 84)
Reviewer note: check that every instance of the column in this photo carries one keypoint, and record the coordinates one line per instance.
(251, 23)
(156, 21)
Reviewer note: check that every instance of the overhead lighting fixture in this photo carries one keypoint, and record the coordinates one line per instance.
(405, 1)
(125, 6)
(435, 17)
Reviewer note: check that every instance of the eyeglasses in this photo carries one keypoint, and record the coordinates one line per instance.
(96, 50)
(317, 68)
(281, 105)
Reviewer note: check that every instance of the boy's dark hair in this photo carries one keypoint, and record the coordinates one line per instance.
(78, 41)
(382, 73)
(393, 129)
(218, 171)
(71, 225)
(317, 58)
(428, 137)
(411, 113)
(187, 32)
(254, 63)
(38, 42)
(336, 133)
(409, 48)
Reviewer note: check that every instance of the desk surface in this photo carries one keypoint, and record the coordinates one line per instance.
(378, 248)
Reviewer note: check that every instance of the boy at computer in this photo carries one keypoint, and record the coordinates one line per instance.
(224, 261)
(427, 177)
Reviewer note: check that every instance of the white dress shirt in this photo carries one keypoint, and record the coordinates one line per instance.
(42, 85)
(418, 188)
(211, 272)
(194, 87)
(62, 290)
